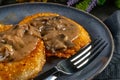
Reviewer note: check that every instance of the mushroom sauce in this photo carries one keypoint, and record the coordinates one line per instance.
(56, 32)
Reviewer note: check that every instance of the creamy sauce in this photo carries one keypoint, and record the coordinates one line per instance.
(56, 32)
(17, 42)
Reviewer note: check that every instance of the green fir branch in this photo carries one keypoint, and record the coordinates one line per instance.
(117, 3)
(83, 5)
(101, 2)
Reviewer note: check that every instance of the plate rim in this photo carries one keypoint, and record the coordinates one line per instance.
(96, 18)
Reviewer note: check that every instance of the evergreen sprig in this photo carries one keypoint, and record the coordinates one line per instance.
(117, 3)
(101, 2)
(88, 5)
(83, 5)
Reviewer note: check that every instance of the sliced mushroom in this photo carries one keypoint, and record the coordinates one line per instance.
(5, 52)
(33, 31)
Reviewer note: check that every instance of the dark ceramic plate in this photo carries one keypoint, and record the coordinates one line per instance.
(12, 14)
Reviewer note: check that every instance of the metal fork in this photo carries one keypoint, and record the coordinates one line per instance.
(78, 61)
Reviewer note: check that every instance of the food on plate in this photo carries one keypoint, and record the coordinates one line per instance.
(62, 36)
(4, 27)
(22, 54)
(24, 46)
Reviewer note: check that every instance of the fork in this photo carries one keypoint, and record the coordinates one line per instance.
(78, 61)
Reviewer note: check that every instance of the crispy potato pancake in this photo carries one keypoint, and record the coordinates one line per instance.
(25, 69)
(82, 40)
(31, 65)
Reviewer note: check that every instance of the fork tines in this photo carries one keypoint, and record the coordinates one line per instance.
(83, 57)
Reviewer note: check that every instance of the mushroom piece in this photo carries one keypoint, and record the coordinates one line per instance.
(33, 31)
(5, 52)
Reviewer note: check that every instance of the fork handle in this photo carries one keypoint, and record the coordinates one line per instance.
(52, 77)
(47, 73)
